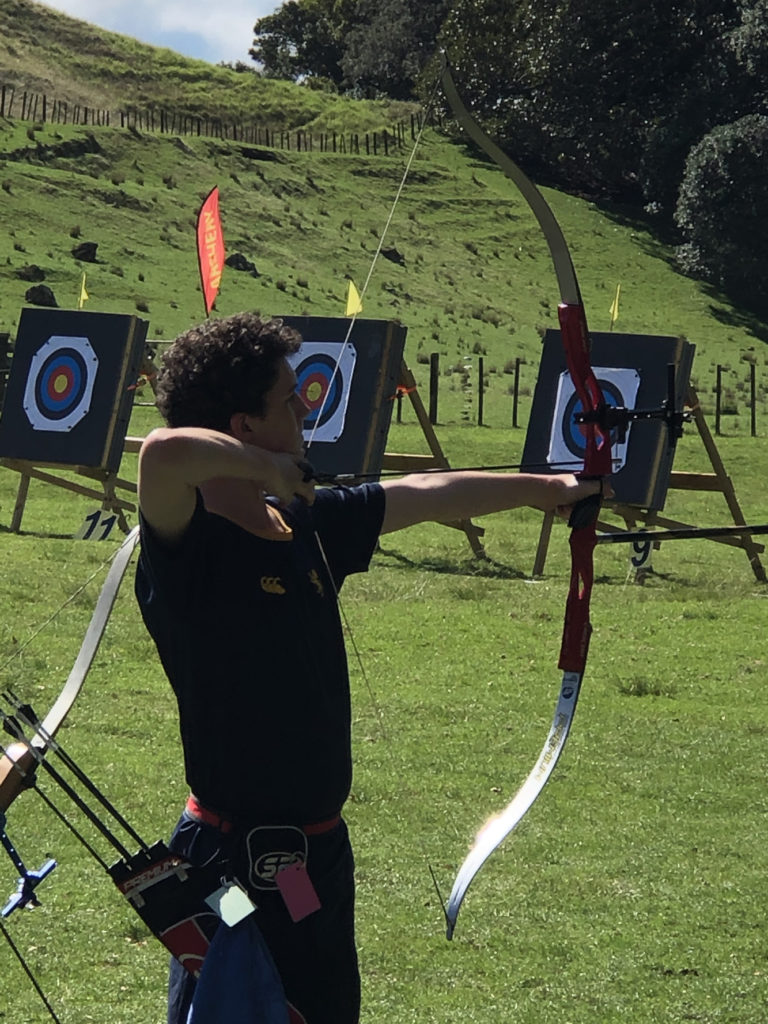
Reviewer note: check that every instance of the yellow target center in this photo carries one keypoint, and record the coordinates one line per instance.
(60, 384)
(315, 392)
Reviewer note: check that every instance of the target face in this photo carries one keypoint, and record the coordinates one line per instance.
(324, 373)
(567, 438)
(60, 382)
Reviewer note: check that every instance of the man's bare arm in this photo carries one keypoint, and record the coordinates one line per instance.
(445, 497)
(173, 462)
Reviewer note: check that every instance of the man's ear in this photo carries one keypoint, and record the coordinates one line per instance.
(240, 427)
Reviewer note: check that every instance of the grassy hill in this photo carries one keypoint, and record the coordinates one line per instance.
(44, 51)
(469, 272)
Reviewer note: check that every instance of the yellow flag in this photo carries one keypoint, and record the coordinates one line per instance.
(83, 294)
(615, 306)
(354, 305)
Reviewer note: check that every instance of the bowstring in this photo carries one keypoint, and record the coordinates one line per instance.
(353, 319)
(379, 246)
(54, 615)
(3, 666)
(28, 971)
(318, 417)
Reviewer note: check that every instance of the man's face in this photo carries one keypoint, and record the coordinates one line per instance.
(279, 429)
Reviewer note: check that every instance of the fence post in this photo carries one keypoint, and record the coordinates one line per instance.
(718, 404)
(434, 377)
(516, 392)
(480, 391)
(752, 399)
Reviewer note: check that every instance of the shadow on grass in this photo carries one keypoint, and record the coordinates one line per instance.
(660, 241)
(485, 568)
(35, 533)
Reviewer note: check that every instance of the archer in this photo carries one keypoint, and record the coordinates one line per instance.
(241, 561)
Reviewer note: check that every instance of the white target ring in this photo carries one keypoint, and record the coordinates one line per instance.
(60, 382)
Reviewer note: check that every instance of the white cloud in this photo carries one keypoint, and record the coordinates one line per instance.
(213, 30)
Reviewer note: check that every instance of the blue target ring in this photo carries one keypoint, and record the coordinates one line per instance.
(320, 386)
(61, 383)
(573, 432)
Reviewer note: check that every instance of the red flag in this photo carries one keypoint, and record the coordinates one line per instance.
(210, 247)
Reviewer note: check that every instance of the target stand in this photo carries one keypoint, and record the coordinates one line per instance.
(68, 402)
(632, 371)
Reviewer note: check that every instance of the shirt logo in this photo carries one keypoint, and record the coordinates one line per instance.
(272, 585)
(270, 848)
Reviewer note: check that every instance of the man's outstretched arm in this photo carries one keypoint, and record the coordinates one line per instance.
(446, 497)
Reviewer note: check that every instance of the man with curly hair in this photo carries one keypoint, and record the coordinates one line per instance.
(242, 559)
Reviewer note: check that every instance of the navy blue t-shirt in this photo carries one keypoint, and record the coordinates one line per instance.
(248, 631)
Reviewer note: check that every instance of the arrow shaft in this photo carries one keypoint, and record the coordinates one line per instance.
(684, 533)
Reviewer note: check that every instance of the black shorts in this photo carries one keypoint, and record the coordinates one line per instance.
(316, 957)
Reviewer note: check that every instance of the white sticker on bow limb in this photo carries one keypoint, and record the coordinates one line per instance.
(59, 388)
(324, 371)
(567, 441)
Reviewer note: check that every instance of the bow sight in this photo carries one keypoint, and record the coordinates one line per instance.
(614, 420)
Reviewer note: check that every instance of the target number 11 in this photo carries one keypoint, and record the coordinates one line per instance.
(97, 526)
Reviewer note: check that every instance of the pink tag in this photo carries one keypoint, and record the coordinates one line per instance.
(297, 891)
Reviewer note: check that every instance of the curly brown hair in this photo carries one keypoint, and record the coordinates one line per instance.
(222, 367)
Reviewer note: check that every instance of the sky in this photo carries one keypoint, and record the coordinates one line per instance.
(212, 30)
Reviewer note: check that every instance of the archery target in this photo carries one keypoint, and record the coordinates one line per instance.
(567, 439)
(324, 372)
(60, 383)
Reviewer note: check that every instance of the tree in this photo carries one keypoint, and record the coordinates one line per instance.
(387, 48)
(586, 91)
(303, 37)
(723, 208)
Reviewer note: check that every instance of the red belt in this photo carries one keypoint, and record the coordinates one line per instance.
(200, 813)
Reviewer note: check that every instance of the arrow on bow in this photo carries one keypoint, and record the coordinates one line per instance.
(597, 464)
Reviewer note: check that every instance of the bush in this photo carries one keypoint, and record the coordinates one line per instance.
(722, 208)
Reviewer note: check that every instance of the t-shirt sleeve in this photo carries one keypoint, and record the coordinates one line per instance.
(348, 522)
(165, 570)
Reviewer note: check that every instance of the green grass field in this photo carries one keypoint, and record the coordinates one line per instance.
(632, 891)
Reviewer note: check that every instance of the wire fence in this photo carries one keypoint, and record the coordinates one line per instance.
(42, 109)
